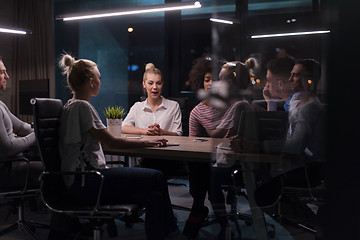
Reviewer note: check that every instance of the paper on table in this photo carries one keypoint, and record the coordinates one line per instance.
(172, 144)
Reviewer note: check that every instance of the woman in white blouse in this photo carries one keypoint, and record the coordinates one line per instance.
(156, 115)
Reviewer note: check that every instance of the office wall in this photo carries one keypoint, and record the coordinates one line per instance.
(121, 56)
(27, 56)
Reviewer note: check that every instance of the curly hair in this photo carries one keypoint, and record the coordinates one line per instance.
(200, 67)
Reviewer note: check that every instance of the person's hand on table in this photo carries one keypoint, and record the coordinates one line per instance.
(153, 129)
(156, 142)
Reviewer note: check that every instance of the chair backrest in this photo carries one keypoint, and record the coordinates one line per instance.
(183, 103)
(260, 126)
(47, 112)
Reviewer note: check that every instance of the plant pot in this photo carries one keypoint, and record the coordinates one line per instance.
(114, 126)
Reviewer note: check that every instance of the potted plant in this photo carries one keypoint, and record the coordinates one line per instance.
(114, 115)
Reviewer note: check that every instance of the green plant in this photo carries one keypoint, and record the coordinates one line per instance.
(114, 112)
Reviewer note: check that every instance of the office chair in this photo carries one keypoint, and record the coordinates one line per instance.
(255, 127)
(17, 196)
(274, 193)
(309, 190)
(54, 193)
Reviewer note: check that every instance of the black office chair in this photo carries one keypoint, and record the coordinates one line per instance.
(273, 194)
(17, 197)
(54, 193)
(256, 127)
(292, 199)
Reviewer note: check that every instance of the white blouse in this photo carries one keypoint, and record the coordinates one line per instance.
(167, 115)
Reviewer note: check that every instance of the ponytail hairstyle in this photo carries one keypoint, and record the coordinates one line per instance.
(238, 73)
(150, 68)
(77, 72)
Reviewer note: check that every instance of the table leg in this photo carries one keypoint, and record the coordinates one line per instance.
(256, 212)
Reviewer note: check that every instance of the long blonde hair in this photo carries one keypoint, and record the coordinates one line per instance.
(77, 71)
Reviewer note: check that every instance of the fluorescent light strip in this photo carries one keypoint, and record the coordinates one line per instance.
(221, 21)
(7, 30)
(146, 9)
(289, 34)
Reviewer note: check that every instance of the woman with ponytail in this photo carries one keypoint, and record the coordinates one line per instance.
(81, 135)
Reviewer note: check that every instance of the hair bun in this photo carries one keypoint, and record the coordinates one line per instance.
(251, 63)
(68, 60)
(66, 63)
(149, 66)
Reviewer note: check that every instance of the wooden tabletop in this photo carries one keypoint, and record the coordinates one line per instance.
(189, 149)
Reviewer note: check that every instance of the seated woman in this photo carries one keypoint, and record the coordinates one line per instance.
(237, 76)
(202, 121)
(81, 135)
(155, 115)
(12, 174)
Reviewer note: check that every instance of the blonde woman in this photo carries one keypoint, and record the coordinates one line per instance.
(81, 133)
(156, 115)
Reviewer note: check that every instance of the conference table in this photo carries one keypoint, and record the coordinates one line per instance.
(202, 149)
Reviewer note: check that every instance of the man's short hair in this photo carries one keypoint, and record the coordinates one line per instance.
(313, 69)
(281, 67)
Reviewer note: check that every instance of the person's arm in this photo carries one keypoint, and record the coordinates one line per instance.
(173, 125)
(9, 145)
(128, 125)
(177, 123)
(300, 133)
(271, 102)
(134, 130)
(20, 128)
(113, 142)
(194, 124)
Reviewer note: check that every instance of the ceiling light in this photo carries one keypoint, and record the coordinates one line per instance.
(289, 34)
(14, 31)
(130, 11)
(221, 21)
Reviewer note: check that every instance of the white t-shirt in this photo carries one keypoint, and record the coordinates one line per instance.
(167, 115)
(78, 146)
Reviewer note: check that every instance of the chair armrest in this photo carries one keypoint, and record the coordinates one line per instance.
(98, 175)
(20, 159)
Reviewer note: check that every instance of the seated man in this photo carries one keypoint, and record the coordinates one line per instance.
(304, 145)
(12, 174)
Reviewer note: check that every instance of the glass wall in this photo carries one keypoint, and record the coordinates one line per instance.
(172, 41)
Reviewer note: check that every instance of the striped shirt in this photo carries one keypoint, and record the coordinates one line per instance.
(231, 119)
(203, 118)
